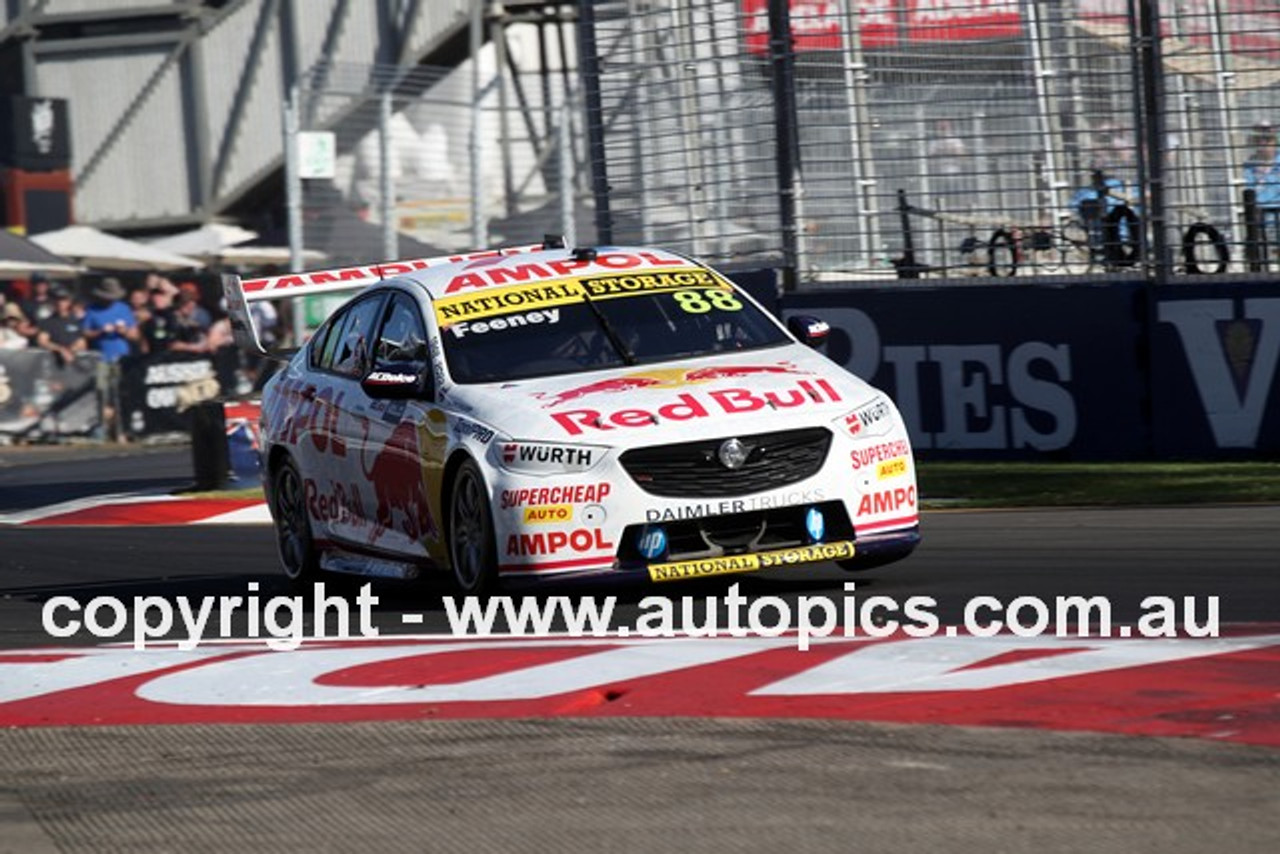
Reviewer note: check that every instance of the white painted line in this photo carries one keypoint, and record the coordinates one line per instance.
(258, 514)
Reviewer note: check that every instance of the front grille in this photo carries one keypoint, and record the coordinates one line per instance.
(694, 470)
(736, 533)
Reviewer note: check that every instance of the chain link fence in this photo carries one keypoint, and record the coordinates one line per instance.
(839, 139)
(929, 138)
(393, 162)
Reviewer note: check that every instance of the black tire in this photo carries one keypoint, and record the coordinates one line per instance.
(472, 552)
(1120, 244)
(1002, 254)
(299, 557)
(1200, 243)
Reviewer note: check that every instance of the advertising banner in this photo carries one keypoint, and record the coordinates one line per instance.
(1076, 372)
(1214, 369)
(1010, 371)
(157, 392)
(40, 398)
(818, 25)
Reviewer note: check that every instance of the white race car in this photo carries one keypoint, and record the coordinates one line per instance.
(542, 413)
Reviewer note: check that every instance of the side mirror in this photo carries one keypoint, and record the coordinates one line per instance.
(397, 381)
(809, 330)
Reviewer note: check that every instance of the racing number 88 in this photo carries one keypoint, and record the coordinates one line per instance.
(695, 302)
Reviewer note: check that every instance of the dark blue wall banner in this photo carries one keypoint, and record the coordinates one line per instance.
(1118, 370)
(1009, 371)
(1216, 350)
(158, 391)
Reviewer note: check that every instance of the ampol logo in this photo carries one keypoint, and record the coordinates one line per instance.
(887, 501)
(554, 542)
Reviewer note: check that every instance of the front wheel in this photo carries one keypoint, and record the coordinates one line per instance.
(1121, 244)
(298, 554)
(1204, 250)
(471, 547)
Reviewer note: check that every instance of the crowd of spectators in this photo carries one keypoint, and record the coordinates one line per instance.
(154, 316)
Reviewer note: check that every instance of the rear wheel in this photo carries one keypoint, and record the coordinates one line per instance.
(298, 554)
(1002, 254)
(471, 547)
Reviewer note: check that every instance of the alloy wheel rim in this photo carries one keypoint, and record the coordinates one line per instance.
(290, 522)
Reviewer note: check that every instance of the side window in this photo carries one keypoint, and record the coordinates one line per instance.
(403, 337)
(316, 345)
(351, 344)
(325, 358)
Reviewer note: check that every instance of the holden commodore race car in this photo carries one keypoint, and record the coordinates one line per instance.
(545, 413)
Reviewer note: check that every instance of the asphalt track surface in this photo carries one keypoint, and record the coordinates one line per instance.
(635, 784)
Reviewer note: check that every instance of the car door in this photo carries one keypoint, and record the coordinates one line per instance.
(340, 362)
(401, 454)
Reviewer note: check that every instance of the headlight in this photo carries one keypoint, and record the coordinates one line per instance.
(545, 457)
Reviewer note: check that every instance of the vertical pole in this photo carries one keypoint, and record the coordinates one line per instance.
(1136, 68)
(1045, 110)
(1154, 139)
(640, 120)
(293, 203)
(387, 205)
(548, 109)
(498, 35)
(907, 268)
(1224, 79)
(564, 147)
(781, 60)
(589, 68)
(687, 113)
(864, 180)
(479, 228)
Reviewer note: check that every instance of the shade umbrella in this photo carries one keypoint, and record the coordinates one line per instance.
(103, 251)
(262, 256)
(21, 258)
(207, 242)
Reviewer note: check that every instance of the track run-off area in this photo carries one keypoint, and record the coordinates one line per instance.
(651, 734)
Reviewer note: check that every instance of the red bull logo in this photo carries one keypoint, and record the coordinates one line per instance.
(667, 378)
(396, 478)
(341, 504)
(690, 405)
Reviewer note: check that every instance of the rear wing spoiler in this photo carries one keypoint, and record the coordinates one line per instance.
(241, 292)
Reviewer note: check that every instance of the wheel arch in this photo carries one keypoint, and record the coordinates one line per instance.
(451, 466)
(276, 457)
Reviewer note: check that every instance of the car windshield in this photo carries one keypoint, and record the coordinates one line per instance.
(589, 324)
